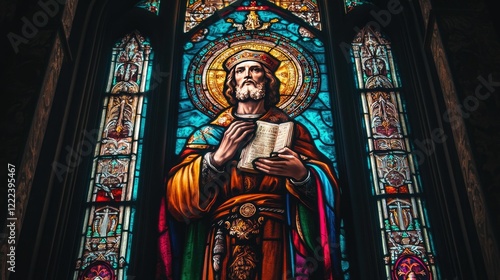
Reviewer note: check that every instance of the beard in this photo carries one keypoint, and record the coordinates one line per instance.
(253, 91)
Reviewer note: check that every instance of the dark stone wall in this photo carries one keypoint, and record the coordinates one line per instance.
(473, 50)
(33, 55)
(465, 47)
(470, 36)
(25, 63)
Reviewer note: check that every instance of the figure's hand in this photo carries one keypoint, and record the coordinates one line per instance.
(235, 137)
(287, 163)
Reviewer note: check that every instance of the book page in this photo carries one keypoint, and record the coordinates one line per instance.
(284, 137)
(269, 138)
(262, 145)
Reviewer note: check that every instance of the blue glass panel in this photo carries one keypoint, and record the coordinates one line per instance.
(182, 93)
(129, 245)
(186, 60)
(324, 82)
(149, 75)
(318, 103)
(318, 43)
(185, 105)
(192, 117)
(218, 28)
(184, 132)
(179, 145)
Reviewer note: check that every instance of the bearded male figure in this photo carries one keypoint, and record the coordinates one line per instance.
(280, 222)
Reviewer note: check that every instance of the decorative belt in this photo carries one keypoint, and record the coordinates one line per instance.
(241, 218)
(250, 205)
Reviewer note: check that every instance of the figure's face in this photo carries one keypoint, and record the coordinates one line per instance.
(250, 80)
(249, 70)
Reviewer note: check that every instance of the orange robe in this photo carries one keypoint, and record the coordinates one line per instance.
(284, 232)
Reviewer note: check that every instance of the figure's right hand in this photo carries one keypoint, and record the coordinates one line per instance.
(235, 137)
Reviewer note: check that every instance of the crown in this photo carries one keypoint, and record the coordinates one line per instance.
(247, 55)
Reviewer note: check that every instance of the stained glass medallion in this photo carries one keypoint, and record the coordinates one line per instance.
(404, 231)
(99, 270)
(106, 235)
(410, 267)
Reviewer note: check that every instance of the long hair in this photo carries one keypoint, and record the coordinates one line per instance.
(272, 88)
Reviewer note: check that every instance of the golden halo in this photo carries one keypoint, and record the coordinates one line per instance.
(215, 74)
(298, 73)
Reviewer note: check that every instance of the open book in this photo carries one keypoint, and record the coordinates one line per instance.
(269, 138)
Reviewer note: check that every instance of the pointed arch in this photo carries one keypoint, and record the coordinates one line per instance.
(112, 192)
(404, 227)
(304, 72)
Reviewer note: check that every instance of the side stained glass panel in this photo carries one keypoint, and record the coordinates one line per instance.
(107, 231)
(198, 10)
(152, 6)
(404, 230)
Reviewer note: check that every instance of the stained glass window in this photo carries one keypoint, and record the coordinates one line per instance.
(150, 5)
(111, 201)
(404, 229)
(198, 10)
(256, 25)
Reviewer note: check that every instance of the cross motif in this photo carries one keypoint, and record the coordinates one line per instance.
(253, 7)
